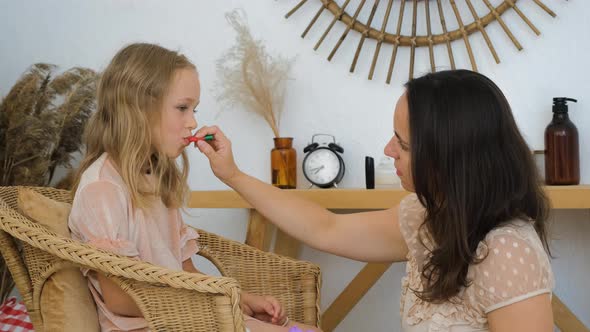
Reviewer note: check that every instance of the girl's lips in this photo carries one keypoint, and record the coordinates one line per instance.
(190, 139)
(397, 171)
(193, 139)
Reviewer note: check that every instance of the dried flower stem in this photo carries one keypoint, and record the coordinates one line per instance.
(250, 77)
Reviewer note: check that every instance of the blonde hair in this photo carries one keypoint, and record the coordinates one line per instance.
(129, 101)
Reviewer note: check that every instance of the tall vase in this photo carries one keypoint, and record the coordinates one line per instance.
(283, 163)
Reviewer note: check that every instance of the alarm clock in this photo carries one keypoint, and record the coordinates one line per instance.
(323, 166)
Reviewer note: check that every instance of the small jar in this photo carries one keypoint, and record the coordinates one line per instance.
(385, 176)
(283, 163)
(539, 158)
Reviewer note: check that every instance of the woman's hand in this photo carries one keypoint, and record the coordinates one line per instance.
(264, 308)
(219, 153)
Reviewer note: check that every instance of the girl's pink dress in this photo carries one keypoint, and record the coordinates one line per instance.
(102, 216)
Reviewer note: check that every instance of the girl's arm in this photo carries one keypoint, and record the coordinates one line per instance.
(116, 300)
(368, 236)
(119, 302)
(188, 266)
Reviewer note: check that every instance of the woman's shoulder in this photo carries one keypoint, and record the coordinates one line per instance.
(513, 266)
(511, 233)
(411, 214)
(511, 243)
(410, 209)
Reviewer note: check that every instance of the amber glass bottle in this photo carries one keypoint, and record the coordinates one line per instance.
(283, 163)
(562, 151)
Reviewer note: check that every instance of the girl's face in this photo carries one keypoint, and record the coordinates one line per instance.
(399, 146)
(178, 120)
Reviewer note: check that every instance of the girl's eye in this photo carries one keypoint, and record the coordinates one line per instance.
(184, 108)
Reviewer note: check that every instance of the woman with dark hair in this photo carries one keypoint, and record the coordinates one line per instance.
(473, 232)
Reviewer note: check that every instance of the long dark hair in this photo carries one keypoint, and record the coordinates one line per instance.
(472, 170)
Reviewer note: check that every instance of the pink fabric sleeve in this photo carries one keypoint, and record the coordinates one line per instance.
(188, 241)
(104, 211)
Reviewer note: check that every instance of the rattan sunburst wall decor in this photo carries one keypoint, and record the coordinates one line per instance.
(422, 8)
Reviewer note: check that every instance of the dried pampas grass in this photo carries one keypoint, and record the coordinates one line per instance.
(250, 77)
(41, 123)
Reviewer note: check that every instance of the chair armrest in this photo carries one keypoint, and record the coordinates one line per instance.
(295, 283)
(176, 309)
(168, 299)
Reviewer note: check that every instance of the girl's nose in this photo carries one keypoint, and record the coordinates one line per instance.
(192, 124)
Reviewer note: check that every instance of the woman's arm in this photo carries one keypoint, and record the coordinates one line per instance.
(531, 315)
(368, 236)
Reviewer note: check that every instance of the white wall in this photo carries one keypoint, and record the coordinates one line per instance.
(324, 97)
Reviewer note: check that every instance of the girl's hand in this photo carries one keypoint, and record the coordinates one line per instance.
(264, 308)
(219, 153)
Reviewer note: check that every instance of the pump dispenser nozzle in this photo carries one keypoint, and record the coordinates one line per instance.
(560, 104)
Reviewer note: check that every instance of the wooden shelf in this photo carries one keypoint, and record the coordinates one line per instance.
(569, 197)
(562, 197)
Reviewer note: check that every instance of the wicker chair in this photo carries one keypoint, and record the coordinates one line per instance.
(169, 300)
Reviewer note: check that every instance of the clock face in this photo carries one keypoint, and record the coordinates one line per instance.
(321, 166)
